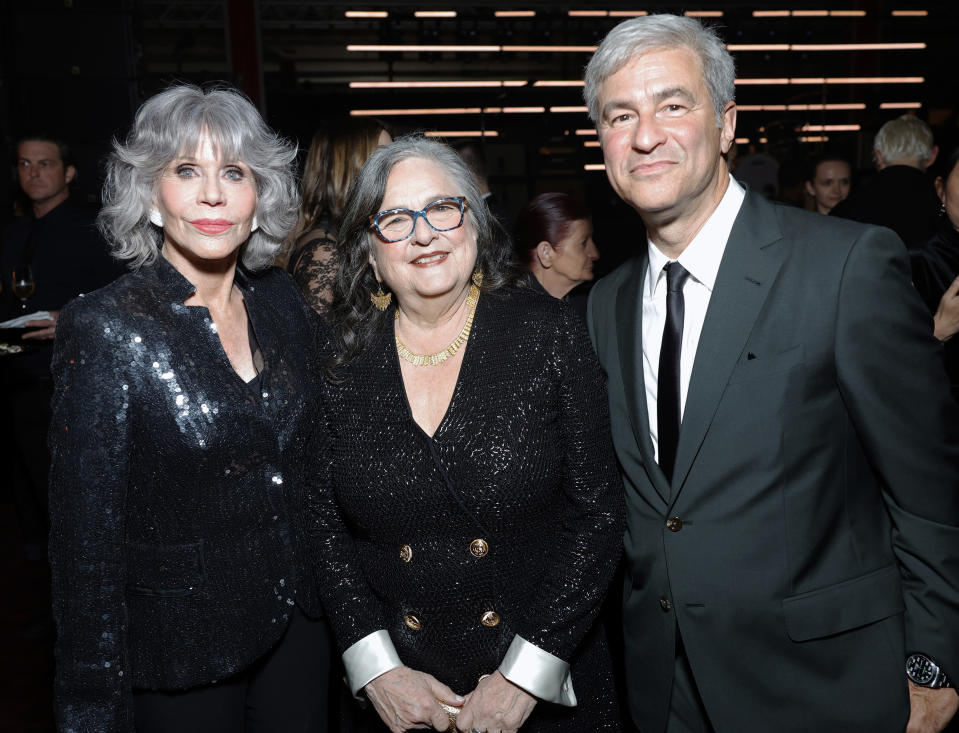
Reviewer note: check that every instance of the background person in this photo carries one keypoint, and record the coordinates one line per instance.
(554, 241)
(828, 182)
(182, 411)
(471, 443)
(337, 154)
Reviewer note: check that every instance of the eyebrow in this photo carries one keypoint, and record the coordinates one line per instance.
(657, 97)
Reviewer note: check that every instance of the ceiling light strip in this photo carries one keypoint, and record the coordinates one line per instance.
(453, 84)
(462, 133)
(454, 48)
(366, 14)
(435, 14)
(515, 13)
(901, 105)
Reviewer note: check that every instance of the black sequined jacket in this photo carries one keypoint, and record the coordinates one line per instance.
(507, 521)
(174, 490)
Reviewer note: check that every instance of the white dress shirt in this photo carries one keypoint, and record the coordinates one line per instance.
(701, 258)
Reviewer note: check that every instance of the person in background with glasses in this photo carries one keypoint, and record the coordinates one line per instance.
(472, 464)
(54, 253)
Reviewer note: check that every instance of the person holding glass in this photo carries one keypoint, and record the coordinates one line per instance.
(472, 465)
(182, 433)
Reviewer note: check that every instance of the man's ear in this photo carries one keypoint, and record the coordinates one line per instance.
(880, 161)
(932, 156)
(809, 189)
(70, 173)
(545, 254)
(728, 130)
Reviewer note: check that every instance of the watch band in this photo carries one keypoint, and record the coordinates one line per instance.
(923, 671)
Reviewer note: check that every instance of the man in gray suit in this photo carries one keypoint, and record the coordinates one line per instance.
(782, 419)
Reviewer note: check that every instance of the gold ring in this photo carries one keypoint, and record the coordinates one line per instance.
(451, 712)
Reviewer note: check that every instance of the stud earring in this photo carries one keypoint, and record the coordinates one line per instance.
(380, 299)
(156, 217)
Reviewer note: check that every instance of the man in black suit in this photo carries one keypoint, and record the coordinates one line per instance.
(781, 416)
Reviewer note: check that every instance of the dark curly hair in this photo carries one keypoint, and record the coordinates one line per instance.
(353, 312)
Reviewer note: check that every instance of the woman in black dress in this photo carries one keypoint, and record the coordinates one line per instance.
(472, 463)
(183, 415)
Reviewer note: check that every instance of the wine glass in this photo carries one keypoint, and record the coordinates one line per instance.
(23, 285)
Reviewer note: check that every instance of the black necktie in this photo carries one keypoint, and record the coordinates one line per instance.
(667, 393)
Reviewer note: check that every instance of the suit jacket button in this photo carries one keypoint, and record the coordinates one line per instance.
(479, 548)
(674, 524)
(412, 622)
(406, 553)
(490, 619)
(665, 604)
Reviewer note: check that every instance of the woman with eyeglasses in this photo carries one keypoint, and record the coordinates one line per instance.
(472, 464)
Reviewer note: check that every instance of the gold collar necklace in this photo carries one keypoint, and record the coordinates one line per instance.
(440, 356)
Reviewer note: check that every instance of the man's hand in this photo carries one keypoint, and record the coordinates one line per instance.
(931, 710)
(495, 706)
(47, 330)
(947, 315)
(407, 699)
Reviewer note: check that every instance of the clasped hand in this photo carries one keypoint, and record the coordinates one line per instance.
(408, 700)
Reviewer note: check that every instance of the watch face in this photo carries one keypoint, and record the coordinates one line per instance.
(920, 669)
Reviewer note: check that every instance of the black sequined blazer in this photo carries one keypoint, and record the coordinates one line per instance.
(173, 490)
(507, 521)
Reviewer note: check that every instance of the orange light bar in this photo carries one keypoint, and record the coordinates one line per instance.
(809, 13)
(591, 144)
(627, 13)
(366, 14)
(435, 14)
(558, 83)
(770, 14)
(757, 46)
(548, 49)
(704, 13)
(594, 167)
(521, 110)
(561, 110)
(462, 133)
(742, 141)
(901, 105)
(587, 13)
(848, 13)
(800, 107)
(811, 139)
(426, 49)
(835, 80)
(910, 13)
(515, 13)
(433, 111)
(830, 128)
(455, 84)
(857, 46)
(586, 131)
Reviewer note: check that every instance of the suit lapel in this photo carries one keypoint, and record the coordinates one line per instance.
(629, 336)
(746, 275)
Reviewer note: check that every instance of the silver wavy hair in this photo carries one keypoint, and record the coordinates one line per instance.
(904, 137)
(171, 124)
(657, 33)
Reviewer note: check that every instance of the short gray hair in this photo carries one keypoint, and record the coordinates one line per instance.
(637, 36)
(355, 281)
(904, 137)
(170, 124)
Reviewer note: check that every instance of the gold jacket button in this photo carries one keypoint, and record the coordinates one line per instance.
(490, 619)
(479, 548)
(674, 524)
(412, 622)
(406, 553)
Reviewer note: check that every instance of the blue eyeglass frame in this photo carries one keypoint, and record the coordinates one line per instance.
(374, 220)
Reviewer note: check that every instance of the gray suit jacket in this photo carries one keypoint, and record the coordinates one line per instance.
(816, 482)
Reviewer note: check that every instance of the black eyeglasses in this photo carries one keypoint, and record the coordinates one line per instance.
(443, 215)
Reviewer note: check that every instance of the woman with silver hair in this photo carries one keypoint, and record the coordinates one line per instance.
(183, 419)
(472, 465)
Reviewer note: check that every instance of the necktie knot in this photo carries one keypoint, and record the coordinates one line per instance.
(676, 276)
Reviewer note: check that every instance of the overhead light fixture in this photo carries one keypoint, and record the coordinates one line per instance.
(809, 13)
(591, 144)
(548, 49)
(803, 47)
(594, 167)
(406, 112)
(515, 13)
(462, 133)
(587, 13)
(910, 13)
(421, 48)
(558, 83)
(742, 141)
(834, 80)
(627, 13)
(810, 139)
(521, 110)
(704, 13)
(366, 14)
(830, 128)
(435, 14)
(586, 131)
(566, 110)
(800, 107)
(901, 105)
(452, 84)
(858, 46)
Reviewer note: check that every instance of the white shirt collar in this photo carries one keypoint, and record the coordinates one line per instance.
(703, 255)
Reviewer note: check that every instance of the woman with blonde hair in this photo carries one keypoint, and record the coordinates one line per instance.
(337, 153)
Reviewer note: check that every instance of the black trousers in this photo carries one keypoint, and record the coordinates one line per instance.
(687, 714)
(285, 692)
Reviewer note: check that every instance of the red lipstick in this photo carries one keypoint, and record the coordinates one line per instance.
(212, 226)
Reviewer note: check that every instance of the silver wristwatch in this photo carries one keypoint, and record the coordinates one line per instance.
(925, 672)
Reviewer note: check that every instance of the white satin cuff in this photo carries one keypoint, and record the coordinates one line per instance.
(538, 672)
(368, 658)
